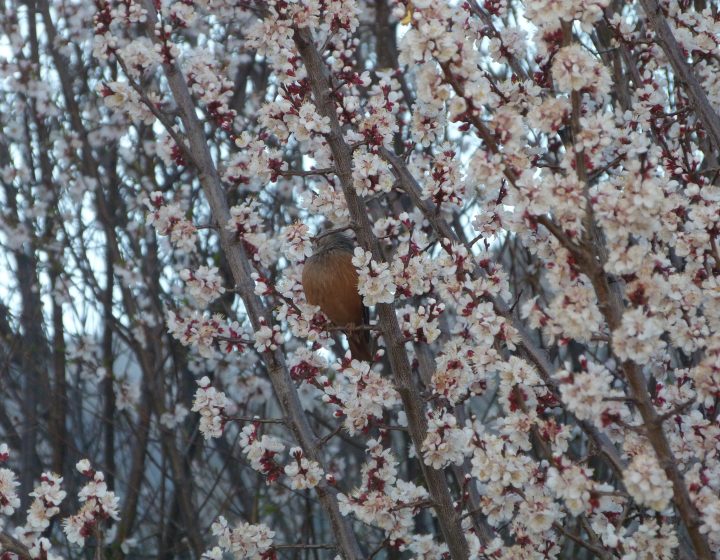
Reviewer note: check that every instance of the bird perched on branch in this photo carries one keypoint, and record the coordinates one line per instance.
(330, 281)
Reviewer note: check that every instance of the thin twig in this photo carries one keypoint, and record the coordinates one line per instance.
(256, 419)
(301, 173)
(413, 505)
(304, 546)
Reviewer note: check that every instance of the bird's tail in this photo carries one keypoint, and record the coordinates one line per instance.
(361, 346)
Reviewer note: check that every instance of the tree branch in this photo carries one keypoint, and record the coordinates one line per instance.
(241, 269)
(397, 355)
(666, 39)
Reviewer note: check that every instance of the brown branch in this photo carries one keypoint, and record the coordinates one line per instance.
(352, 328)
(597, 551)
(611, 306)
(10, 544)
(395, 428)
(415, 504)
(679, 409)
(241, 269)
(325, 439)
(256, 419)
(304, 546)
(311, 172)
(475, 120)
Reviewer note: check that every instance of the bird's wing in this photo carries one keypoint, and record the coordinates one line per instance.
(330, 281)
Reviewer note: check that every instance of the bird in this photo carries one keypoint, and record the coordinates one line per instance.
(330, 281)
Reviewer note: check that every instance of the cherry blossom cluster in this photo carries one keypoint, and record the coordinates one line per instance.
(9, 500)
(443, 184)
(377, 119)
(203, 284)
(211, 89)
(166, 47)
(297, 241)
(253, 542)
(574, 69)
(262, 451)
(140, 58)
(412, 267)
(170, 220)
(573, 485)
(113, 14)
(445, 442)
(99, 505)
(384, 500)
(375, 282)
(168, 150)
(422, 324)
(272, 37)
(247, 225)
(291, 116)
(589, 394)
(646, 482)
(514, 490)
(360, 392)
(303, 472)
(370, 174)
(326, 201)
(211, 404)
(577, 302)
(456, 373)
(267, 338)
(205, 332)
(121, 96)
(248, 168)
(48, 496)
(182, 14)
(104, 43)
(309, 367)
(254, 164)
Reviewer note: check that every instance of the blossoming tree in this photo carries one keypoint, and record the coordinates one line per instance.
(533, 191)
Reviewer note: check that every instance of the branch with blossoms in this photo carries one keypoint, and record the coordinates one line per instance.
(398, 359)
(536, 355)
(31, 539)
(532, 187)
(239, 262)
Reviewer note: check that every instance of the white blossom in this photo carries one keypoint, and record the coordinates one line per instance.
(572, 484)
(245, 540)
(361, 394)
(647, 483)
(574, 69)
(303, 472)
(203, 284)
(211, 404)
(445, 442)
(375, 282)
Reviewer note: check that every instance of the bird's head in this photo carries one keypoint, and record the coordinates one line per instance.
(333, 240)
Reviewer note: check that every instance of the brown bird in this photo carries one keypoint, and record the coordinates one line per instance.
(330, 281)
